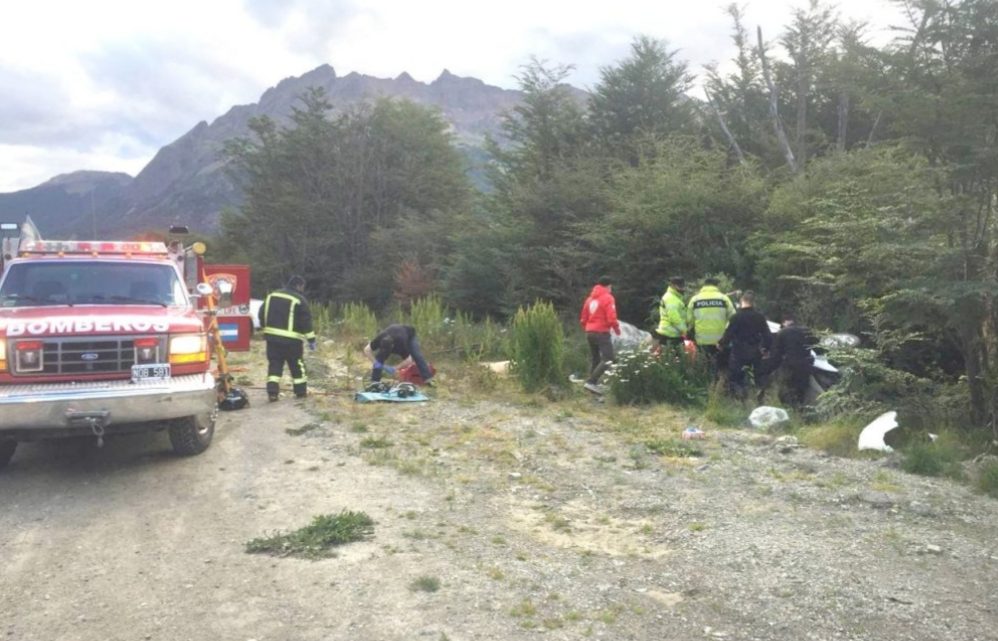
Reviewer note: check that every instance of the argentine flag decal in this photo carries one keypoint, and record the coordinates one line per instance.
(229, 332)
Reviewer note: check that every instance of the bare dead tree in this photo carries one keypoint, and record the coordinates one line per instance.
(774, 109)
(843, 114)
(724, 128)
(873, 129)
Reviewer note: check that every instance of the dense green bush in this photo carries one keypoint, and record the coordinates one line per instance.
(869, 387)
(537, 347)
(643, 377)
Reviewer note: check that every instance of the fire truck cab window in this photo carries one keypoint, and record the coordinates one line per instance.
(79, 282)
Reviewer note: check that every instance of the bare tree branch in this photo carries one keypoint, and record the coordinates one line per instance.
(843, 114)
(724, 128)
(774, 110)
(873, 129)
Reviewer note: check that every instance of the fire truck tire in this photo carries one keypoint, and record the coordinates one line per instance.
(192, 434)
(7, 448)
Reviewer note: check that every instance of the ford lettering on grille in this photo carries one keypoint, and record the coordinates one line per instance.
(89, 356)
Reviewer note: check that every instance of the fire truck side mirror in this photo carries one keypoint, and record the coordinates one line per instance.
(204, 289)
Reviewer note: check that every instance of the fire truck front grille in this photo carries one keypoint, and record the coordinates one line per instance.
(86, 356)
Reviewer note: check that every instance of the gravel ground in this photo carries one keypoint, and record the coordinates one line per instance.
(551, 519)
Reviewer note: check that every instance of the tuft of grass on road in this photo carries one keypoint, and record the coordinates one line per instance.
(375, 443)
(425, 584)
(674, 448)
(316, 540)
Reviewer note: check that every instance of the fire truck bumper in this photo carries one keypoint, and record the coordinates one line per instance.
(64, 409)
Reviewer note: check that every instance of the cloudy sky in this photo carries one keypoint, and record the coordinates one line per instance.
(103, 84)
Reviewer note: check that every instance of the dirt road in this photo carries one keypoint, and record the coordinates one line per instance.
(563, 521)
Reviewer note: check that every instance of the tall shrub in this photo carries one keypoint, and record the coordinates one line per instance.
(428, 316)
(537, 347)
(358, 321)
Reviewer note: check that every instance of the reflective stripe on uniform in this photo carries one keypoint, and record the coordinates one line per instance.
(289, 331)
(273, 379)
(282, 332)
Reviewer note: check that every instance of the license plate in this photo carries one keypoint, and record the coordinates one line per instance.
(150, 372)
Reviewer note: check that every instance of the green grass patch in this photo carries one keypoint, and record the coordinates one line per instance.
(524, 609)
(724, 411)
(940, 458)
(987, 479)
(673, 447)
(425, 584)
(838, 437)
(316, 540)
(375, 443)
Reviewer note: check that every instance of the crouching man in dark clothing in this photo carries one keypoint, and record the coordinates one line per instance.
(401, 341)
(747, 336)
(792, 355)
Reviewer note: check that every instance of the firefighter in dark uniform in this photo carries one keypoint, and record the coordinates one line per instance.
(287, 322)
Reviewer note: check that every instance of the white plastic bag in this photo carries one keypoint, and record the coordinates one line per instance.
(765, 416)
(631, 338)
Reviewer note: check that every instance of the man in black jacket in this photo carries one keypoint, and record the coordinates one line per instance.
(747, 336)
(401, 341)
(792, 355)
(286, 322)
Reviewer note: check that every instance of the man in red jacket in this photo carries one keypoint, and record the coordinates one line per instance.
(598, 317)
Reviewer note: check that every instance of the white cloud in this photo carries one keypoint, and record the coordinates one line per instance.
(77, 75)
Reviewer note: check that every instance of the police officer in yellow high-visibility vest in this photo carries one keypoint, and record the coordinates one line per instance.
(286, 322)
(707, 316)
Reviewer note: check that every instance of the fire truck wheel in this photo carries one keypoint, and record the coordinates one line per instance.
(192, 434)
(7, 448)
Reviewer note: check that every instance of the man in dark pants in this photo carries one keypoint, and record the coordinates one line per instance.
(399, 340)
(792, 355)
(286, 322)
(747, 336)
(598, 317)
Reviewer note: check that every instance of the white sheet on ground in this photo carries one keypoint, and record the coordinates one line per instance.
(872, 436)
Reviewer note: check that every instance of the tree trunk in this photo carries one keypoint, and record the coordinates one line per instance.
(774, 109)
(724, 128)
(873, 129)
(802, 92)
(843, 114)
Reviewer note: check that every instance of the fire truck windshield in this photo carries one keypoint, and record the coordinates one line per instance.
(81, 282)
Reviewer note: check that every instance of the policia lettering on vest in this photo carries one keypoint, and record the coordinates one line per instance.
(287, 322)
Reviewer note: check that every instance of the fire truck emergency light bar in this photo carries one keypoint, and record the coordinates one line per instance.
(94, 248)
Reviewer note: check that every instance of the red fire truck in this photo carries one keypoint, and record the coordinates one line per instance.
(98, 338)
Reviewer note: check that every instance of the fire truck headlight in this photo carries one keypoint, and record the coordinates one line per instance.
(188, 348)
